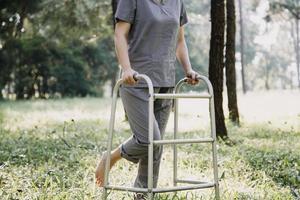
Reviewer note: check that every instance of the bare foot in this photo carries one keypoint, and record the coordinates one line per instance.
(114, 157)
(100, 170)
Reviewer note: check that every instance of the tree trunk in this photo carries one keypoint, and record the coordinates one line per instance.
(267, 69)
(22, 14)
(297, 52)
(230, 62)
(293, 28)
(267, 85)
(216, 62)
(114, 5)
(45, 89)
(242, 47)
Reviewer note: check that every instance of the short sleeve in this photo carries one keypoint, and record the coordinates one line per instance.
(125, 11)
(183, 15)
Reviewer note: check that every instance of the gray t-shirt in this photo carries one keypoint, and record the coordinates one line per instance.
(153, 37)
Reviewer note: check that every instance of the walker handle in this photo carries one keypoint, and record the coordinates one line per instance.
(136, 76)
(198, 77)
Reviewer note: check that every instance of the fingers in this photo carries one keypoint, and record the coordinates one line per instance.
(192, 78)
(196, 80)
(192, 82)
(129, 80)
(98, 184)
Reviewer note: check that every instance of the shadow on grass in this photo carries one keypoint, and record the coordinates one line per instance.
(27, 149)
(54, 159)
(282, 166)
(273, 151)
(59, 143)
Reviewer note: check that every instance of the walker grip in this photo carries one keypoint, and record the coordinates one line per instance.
(198, 77)
(136, 76)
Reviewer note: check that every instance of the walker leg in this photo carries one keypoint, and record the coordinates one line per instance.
(215, 166)
(150, 196)
(175, 155)
(214, 147)
(104, 195)
(110, 139)
(150, 190)
(150, 147)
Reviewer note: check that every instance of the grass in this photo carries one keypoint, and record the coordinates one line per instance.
(49, 149)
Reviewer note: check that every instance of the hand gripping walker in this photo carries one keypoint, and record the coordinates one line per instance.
(212, 139)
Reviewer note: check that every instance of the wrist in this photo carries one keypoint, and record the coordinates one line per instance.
(127, 68)
(188, 70)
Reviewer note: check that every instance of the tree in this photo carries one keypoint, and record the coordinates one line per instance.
(230, 62)
(54, 47)
(242, 47)
(197, 37)
(293, 8)
(216, 62)
(12, 17)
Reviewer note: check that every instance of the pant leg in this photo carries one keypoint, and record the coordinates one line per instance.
(162, 108)
(135, 102)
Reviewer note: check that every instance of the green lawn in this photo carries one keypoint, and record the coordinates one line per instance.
(49, 149)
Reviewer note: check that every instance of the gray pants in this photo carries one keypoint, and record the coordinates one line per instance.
(135, 149)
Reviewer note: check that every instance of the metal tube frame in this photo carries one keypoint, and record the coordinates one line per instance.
(213, 132)
(150, 190)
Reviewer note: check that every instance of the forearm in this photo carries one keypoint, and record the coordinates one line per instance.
(121, 48)
(183, 56)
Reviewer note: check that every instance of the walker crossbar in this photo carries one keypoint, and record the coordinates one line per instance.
(184, 141)
(189, 181)
(182, 188)
(194, 184)
(201, 185)
(182, 96)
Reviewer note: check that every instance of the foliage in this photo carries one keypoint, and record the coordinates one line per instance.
(291, 9)
(268, 60)
(63, 48)
(292, 6)
(82, 29)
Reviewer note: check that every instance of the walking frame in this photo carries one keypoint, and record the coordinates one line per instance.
(193, 185)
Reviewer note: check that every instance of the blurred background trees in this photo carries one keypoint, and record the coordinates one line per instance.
(290, 12)
(65, 48)
(55, 48)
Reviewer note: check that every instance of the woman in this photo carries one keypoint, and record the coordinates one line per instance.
(149, 35)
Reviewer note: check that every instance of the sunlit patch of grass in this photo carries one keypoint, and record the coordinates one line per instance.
(280, 108)
(43, 113)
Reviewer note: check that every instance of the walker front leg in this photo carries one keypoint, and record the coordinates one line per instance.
(150, 132)
(110, 138)
(150, 147)
(214, 147)
(175, 153)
